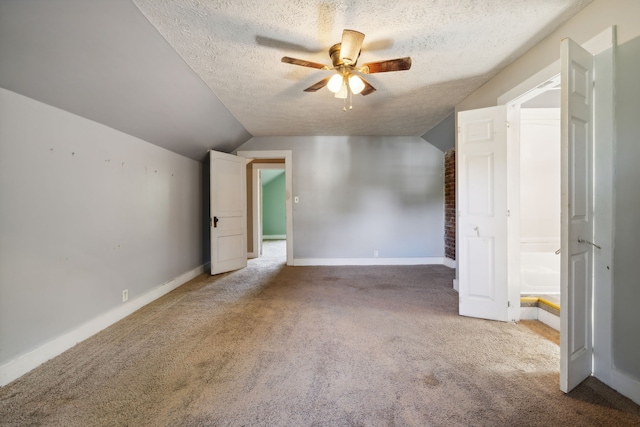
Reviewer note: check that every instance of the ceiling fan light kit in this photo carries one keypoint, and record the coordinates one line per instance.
(344, 58)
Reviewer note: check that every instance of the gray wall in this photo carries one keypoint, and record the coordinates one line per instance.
(360, 194)
(626, 271)
(86, 211)
(103, 60)
(443, 135)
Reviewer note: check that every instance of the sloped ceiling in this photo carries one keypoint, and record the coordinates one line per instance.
(104, 61)
(190, 75)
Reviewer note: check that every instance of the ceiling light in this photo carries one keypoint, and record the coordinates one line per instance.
(356, 84)
(335, 83)
(343, 92)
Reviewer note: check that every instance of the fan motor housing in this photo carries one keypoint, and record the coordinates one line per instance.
(334, 53)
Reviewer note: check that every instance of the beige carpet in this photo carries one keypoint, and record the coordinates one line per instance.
(311, 346)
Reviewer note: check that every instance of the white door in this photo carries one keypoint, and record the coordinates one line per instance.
(482, 213)
(228, 212)
(576, 346)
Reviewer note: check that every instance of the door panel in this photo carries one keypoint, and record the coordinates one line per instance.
(482, 215)
(576, 346)
(579, 273)
(481, 253)
(480, 184)
(228, 212)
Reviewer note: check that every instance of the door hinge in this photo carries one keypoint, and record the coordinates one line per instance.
(508, 124)
(508, 212)
(508, 304)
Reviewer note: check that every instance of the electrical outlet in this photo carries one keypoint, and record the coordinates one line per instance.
(125, 295)
(375, 253)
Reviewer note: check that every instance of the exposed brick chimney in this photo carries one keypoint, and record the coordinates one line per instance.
(450, 204)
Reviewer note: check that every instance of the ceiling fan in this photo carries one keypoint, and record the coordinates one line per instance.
(344, 57)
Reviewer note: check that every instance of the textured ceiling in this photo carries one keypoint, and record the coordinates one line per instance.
(194, 75)
(235, 46)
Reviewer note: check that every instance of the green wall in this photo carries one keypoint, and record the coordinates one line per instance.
(273, 203)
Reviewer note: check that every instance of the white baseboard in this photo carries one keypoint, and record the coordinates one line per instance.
(626, 385)
(274, 237)
(455, 285)
(537, 313)
(549, 319)
(529, 313)
(26, 362)
(367, 261)
(451, 263)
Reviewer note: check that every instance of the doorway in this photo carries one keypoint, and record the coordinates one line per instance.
(269, 214)
(539, 175)
(487, 228)
(276, 159)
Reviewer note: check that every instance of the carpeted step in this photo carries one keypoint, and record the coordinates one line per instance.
(541, 302)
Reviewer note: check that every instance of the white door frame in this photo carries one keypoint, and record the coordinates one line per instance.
(287, 155)
(603, 367)
(257, 203)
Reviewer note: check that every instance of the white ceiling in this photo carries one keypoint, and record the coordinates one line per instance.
(456, 46)
(194, 75)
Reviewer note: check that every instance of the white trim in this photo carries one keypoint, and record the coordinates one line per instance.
(625, 385)
(604, 205)
(527, 88)
(26, 362)
(513, 210)
(274, 237)
(603, 41)
(368, 261)
(455, 284)
(529, 313)
(531, 84)
(541, 315)
(602, 363)
(287, 155)
(451, 263)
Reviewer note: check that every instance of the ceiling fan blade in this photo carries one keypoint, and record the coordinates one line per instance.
(368, 89)
(399, 64)
(350, 46)
(284, 45)
(317, 86)
(304, 63)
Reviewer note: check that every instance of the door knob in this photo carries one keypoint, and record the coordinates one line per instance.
(581, 240)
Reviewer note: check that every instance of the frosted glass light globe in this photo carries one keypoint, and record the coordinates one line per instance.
(356, 84)
(335, 83)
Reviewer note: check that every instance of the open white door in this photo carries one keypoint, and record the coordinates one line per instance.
(228, 212)
(576, 346)
(482, 213)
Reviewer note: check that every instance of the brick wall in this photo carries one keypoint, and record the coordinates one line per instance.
(450, 204)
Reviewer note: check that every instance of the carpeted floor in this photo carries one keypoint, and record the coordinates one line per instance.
(272, 345)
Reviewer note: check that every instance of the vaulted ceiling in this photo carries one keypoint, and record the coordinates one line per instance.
(190, 75)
